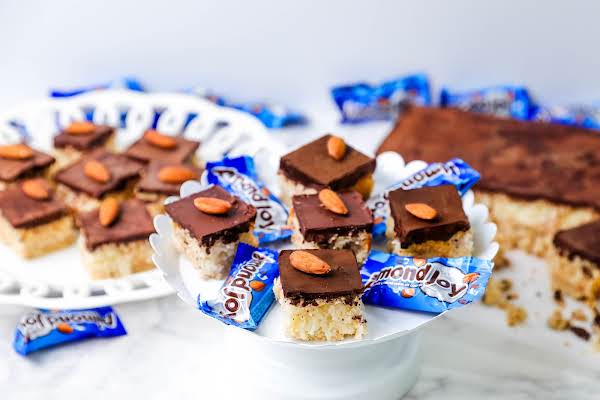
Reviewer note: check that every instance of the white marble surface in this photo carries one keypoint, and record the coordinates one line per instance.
(172, 352)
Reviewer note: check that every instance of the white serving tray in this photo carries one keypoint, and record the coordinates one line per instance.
(59, 280)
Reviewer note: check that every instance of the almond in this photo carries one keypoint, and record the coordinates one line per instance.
(95, 170)
(309, 263)
(157, 139)
(419, 262)
(80, 128)
(176, 174)
(407, 293)
(65, 328)
(336, 147)
(212, 205)
(16, 152)
(470, 277)
(37, 189)
(108, 211)
(257, 285)
(421, 211)
(332, 202)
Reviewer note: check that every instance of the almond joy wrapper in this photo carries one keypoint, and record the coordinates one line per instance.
(432, 285)
(41, 329)
(247, 293)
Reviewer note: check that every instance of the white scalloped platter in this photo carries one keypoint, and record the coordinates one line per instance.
(59, 280)
(383, 323)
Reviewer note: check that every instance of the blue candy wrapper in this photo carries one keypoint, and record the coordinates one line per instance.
(586, 116)
(41, 329)
(123, 83)
(432, 285)
(238, 176)
(247, 293)
(271, 115)
(454, 172)
(502, 101)
(362, 102)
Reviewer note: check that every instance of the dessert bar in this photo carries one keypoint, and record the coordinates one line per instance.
(208, 226)
(157, 146)
(114, 239)
(318, 224)
(325, 162)
(19, 161)
(81, 137)
(100, 174)
(428, 222)
(32, 221)
(319, 292)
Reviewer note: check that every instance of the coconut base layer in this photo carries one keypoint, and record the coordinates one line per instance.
(115, 260)
(322, 319)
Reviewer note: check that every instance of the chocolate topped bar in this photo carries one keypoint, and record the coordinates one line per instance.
(343, 280)
(133, 223)
(529, 160)
(121, 170)
(144, 151)
(208, 228)
(97, 137)
(11, 169)
(446, 202)
(582, 241)
(151, 182)
(317, 223)
(22, 211)
(312, 166)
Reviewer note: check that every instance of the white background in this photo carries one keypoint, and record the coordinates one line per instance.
(293, 52)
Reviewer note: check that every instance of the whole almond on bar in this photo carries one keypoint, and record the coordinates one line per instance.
(108, 211)
(176, 174)
(37, 189)
(16, 152)
(421, 211)
(309, 263)
(157, 139)
(336, 147)
(97, 171)
(212, 205)
(80, 128)
(331, 201)
(257, 285)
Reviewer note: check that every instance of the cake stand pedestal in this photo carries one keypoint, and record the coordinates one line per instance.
(262, 369)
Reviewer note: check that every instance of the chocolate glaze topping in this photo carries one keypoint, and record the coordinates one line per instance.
(11, 170)
(343, 280)
(207, 228)
(90, 141)
(133, 223)
(444, 199)
(312, 166)
(529, 160)
(582, 241)
(21, 211)
(151, 184)
(143, 151)
(317, 224)
(121, 169)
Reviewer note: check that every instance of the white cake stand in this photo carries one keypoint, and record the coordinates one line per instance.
(266, 364)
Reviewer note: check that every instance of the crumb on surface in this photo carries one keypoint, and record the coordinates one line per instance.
(578, 315)
(557, 322)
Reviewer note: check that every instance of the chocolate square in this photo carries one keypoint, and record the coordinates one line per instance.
(317, 224)
(97, 138)
(207, 228)
(582, 241)
(21, 211)
(343, 280)
(150, 182)
(11, 170)
(144, 151)
(133, 223)
(122, 171)
(312, 166)
(451, 217)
